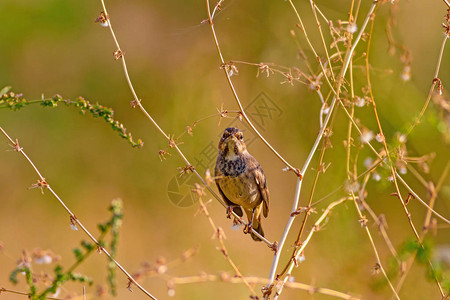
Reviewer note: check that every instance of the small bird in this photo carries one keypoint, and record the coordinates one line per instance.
(241, 181)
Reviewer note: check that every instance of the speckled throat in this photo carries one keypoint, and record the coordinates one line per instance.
(231, 167)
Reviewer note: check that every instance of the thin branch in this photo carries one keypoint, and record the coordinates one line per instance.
(258, 280)
(287, 228)
(402, 181)
(42, 183)
(391, 164)
(220, 236)
(379, 265)
(294, 260)
(303, 29)
(119, 54)
(378, 221)
(417, 197)
(238, 101)
(433, 86)
(5, 290)
(313, 188)
(313, 7)
(362, 218)
(426, 224)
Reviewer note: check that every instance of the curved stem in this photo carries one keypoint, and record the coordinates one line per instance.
(292, 216)
(433, 86)
(236, 97)
(73, 218)
(315, 228)
(171, 141)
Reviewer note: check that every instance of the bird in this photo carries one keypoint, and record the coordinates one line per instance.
(241, 181)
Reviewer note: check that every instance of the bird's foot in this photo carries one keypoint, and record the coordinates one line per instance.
(248, 228)
(230, 210)
(236, 222)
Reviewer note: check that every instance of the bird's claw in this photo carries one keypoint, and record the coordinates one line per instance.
(248, 228)
(229, 211)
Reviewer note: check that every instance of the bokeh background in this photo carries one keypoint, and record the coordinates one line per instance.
(53, 46)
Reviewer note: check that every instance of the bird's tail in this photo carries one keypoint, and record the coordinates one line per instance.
(257, 227)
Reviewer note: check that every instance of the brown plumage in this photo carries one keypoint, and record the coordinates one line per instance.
(241, 180)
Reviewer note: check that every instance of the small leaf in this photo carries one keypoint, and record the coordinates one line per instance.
(88, 246)
(13, 276)
(424, 254)
(78, 254)
(102, 227)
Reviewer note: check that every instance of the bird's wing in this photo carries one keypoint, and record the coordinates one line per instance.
(263, 189)
(237, 209)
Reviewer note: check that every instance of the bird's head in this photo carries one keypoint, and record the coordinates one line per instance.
(232, 142)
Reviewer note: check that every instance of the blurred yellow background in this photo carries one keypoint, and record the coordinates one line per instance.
(54, 47)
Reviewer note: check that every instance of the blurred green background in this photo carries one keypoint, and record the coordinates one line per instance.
(54, 46)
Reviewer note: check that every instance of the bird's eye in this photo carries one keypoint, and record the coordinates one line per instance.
(240, 136)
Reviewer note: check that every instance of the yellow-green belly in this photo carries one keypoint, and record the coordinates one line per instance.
(240, 190)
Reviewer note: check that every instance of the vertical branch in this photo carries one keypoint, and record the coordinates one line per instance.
(433, 86)
(313, 188)
(302, 27)
(363, 222)
(287, 228)
(426, 224)
(313, 7)
(294, 261)
(351, 176)
(390, 162)
(379, 221)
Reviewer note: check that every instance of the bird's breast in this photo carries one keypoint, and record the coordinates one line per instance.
(241, 190)
(232, 167)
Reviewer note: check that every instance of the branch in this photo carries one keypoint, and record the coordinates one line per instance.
(119, 54)
(42, 183)
(363, 222)
(5, 290)
(295, 258)
(348, 57)
(238, 101)
(257, 280)
(220, 236)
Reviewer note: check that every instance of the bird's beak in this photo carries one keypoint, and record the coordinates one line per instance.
(231, 141)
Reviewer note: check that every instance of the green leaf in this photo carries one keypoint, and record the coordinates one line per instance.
(424, 254)
(88, 246)
(78, 254)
